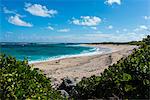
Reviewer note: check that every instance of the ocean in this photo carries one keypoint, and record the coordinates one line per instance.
(36, 52)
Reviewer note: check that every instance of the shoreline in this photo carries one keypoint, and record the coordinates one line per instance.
(96, 52)
(83, 66)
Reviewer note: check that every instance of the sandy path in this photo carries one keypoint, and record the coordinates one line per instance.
(85, 66)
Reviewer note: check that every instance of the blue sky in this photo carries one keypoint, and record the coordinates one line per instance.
(74, 20)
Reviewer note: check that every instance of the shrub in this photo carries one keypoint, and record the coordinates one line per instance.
(129, 78)
(18, 80)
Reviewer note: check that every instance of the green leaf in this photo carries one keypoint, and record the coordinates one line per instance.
(126, 77)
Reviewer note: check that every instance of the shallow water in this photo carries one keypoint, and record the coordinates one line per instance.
(41, 51)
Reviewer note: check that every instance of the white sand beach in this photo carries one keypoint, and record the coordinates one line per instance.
(84, 66)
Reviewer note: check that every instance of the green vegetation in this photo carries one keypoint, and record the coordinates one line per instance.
(129, 78)
(20, 81)
(147, 40)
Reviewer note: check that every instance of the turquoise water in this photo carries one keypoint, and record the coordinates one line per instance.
(39, 52)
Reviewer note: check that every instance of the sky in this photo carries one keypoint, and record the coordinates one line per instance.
(72, 21)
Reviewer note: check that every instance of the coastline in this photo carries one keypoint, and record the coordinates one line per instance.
(83, 66)
(98, 50)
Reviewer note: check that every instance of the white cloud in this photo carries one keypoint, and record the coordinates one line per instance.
(136, 29)
(50, 28)
(90, 37)
(94, 28)
(101, 35)
(98, 32)
(19, 22)
(129, 36)
(110, 27)
(124, 29)
(117, 31)
(64, 30)
(111, 37)
(87, 21)
(147, 17)
(110, 2)
(8, 11)
(143, 27)
(39, 10)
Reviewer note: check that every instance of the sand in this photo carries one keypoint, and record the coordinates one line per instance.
(84, 66)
